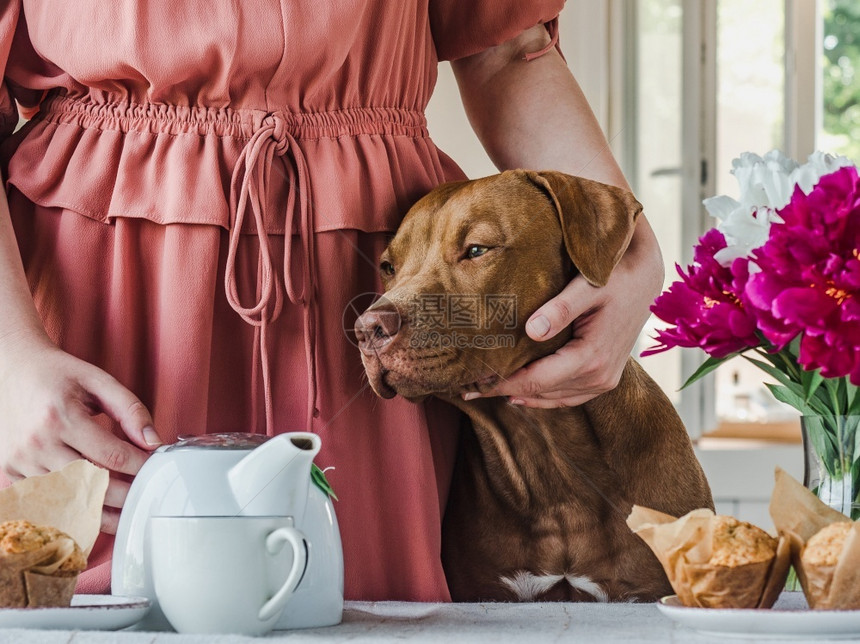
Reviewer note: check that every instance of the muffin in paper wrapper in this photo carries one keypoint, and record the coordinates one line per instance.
(798, 515)
(684, 547)
(69, 502)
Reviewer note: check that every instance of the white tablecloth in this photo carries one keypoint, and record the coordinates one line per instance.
(437, 624)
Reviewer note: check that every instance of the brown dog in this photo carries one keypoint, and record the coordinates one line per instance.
(540, 496)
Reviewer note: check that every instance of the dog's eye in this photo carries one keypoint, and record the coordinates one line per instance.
(476, 250)
(387, 268)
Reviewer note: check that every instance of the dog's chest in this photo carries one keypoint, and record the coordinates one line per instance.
(569, 557)
(538, 463)
(537, 513)
(575, 556)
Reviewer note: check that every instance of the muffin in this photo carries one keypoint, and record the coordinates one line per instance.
(715, 561)
(825, 546)
(828, 561)
(39, 565)
(738, 543)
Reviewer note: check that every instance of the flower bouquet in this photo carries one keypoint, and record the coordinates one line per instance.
(777, 282)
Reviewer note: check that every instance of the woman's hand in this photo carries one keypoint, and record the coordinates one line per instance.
(606, 323)
(48, 404)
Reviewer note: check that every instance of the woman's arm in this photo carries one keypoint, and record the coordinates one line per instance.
(532, 114)
(48, 398)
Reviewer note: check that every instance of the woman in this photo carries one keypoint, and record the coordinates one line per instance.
(172, 146)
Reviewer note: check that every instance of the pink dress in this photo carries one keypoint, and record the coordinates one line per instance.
(172, 146)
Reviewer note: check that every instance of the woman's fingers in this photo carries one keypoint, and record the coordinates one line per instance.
(101, 447)
(558, 313)
(110, 520)
(113, 399)
(50, 459)
(117, 491)
(547, 382)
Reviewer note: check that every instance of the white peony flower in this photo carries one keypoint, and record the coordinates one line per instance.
(766, 185)
(764, 182)
(745, 230)
(819, 164)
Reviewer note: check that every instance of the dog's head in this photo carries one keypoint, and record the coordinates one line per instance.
(471, 262)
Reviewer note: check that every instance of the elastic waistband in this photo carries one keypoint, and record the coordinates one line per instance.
(235, 123)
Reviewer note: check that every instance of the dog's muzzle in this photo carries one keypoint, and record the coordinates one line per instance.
(375, 330)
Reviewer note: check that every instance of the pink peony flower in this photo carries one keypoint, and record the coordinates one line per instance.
(707, 306)
(809, 282)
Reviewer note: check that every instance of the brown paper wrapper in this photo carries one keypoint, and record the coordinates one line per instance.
(798, 515)
(684, 546)
(70, 500)
(46, 591)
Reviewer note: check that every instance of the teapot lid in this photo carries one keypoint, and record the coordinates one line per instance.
(231, 440)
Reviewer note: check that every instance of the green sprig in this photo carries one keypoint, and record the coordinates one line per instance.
(319, 479)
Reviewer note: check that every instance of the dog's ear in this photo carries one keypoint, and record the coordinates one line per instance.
(597, 221)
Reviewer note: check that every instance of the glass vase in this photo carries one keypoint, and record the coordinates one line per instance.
(831, 455)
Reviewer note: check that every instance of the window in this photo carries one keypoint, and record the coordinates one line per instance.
(840, 126)
(704, 82)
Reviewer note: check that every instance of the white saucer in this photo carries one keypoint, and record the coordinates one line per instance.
(87, 612)
(790, 618)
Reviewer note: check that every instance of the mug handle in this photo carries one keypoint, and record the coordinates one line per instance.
(274, 543)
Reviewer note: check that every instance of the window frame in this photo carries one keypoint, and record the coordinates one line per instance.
(802, 121)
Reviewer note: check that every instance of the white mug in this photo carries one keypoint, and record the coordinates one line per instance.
(228, 574)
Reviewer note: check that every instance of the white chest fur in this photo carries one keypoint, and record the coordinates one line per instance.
(529, 587)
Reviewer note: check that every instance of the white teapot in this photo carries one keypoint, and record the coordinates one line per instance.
(235, 474)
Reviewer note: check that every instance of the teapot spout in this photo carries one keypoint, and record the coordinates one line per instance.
(274, 478)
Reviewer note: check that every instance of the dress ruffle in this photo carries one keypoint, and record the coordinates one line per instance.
(173, 164)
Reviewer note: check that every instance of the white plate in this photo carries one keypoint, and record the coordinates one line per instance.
(790, 618)
(87, 612)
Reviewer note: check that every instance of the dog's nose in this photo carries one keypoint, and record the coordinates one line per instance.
(375, 329)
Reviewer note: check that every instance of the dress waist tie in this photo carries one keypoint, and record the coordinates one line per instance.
(249, 189)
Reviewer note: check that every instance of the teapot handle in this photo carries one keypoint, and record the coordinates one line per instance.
(274, 543)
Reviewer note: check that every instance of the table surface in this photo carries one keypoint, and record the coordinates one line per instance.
(438, 623)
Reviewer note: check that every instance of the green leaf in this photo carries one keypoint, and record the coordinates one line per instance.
(811, 380)
(842, 394)
(318, 477)
(852, 424)
(793, 348)
(825, 445)
(707, 367)
(855, 473)
(785, 360)
(852, 395)
(814, 407)
(776, 359)
(792, 582)
(793, 398)
(837, 397)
